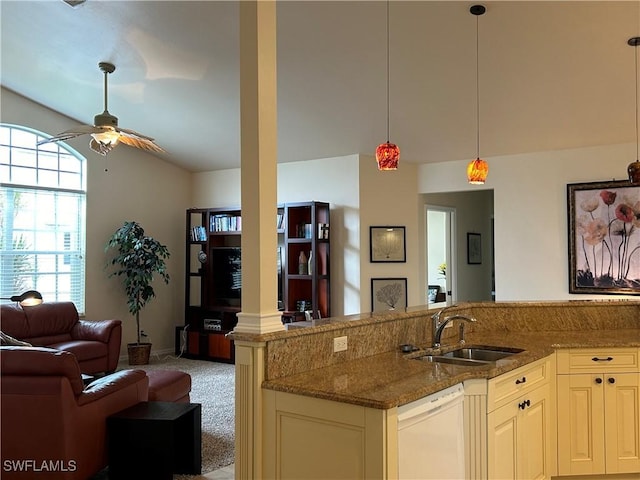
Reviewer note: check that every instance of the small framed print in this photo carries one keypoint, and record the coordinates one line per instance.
(474, 248)
(388, 294)
(387, 244)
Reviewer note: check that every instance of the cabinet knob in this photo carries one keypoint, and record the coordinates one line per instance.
(525, 404)
(598, 380)
(611, 380)
(522, 380)
(598, 359)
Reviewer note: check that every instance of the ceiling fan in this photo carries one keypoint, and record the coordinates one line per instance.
(105, 132)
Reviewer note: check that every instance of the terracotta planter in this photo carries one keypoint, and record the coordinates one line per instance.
(139, 353)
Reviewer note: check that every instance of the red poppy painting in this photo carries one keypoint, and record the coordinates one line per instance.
(604, 237)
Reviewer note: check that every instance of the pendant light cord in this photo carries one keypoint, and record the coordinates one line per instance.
(635, 56)
(388, 75)
(477, 86)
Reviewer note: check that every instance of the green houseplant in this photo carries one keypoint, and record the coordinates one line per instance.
(136, 258)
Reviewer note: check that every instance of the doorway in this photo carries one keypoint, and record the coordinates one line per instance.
(441, 258)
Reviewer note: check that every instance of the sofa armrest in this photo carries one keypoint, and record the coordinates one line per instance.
(112, 383)
(98, 330)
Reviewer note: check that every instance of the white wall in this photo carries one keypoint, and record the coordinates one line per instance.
(390, 198)
(333, 180)
(530, 208)
(135, 187)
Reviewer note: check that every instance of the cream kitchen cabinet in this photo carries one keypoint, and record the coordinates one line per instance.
(518, 441)
(598, 409)
(519, 423)
(308, 437)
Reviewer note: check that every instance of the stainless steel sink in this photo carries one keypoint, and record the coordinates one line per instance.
(466, 362)
(472, 356)
(482, 353)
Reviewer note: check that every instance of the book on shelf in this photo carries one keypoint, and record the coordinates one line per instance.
(225, 223)
(198, 234)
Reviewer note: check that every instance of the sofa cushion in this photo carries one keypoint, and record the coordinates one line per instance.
(50, 318)
(9, 340)
(41, 361)
(14, 321)
(82, 349)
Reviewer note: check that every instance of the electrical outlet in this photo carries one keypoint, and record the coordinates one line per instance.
(339, 344)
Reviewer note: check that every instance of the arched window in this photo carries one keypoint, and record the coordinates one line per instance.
(42, 210)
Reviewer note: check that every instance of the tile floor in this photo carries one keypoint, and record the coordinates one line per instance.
(225, 473)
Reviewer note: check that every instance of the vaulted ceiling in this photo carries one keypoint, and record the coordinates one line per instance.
(552, 75)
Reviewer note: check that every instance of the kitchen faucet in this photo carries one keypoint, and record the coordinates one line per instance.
(438, 326)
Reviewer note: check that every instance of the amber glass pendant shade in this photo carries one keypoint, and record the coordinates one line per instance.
(634, 172)
(387, 156)
(477, 171)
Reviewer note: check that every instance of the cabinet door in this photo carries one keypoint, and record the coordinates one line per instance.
(580, 408)
(502, 442)
(534, 435)
(220, 346)
(519, 443)
(622, 422)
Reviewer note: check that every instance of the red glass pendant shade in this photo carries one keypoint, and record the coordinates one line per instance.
(387, 156)
(634, 172)
(477, 171)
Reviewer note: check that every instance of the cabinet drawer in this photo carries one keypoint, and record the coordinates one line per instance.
(598, 360)
(510, 386)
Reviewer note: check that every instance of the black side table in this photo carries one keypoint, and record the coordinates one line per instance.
(155, 440)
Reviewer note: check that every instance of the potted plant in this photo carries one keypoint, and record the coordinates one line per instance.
(136, 258)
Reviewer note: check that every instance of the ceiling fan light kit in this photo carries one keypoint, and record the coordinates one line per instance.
(105, 133)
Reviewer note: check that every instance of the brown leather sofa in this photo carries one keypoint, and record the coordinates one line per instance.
(96, 344)
(52, 426)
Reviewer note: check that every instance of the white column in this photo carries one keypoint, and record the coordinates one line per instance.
(258, 137)
(259, 151)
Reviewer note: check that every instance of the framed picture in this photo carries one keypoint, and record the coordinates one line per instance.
(387, 244)
(604, 241)
(474, 248)
(388, 294)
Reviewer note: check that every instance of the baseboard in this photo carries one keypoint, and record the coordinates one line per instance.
(155, 354)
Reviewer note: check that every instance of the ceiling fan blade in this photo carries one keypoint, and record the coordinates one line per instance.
(105, 133)
(135, 139)
(71, 133)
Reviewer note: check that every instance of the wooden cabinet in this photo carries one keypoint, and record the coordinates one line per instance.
(598, 411)
(307, 437)
(307, 275)
(519, 441)
(213, 279)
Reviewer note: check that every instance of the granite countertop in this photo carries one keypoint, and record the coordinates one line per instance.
(391, 379)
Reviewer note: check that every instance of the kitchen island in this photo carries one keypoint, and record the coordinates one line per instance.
(346, 403)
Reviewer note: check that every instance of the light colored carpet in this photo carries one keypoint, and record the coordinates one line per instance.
(213, 386)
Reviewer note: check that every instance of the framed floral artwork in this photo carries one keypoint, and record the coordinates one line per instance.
(604, 237)
(388, 294)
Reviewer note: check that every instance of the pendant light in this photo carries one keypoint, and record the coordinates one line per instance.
(477, 169)
(387, 154)
(634, 167)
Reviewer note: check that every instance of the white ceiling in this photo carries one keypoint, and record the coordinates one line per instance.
(553, 75)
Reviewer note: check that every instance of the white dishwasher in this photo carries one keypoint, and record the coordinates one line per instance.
(431, 436)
